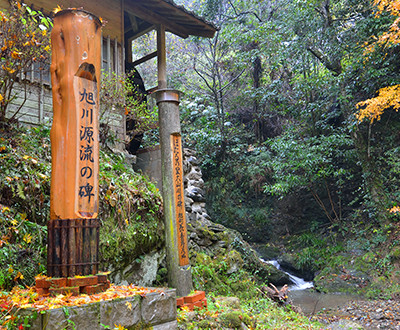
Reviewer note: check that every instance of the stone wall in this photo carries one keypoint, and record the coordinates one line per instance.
(194, 188)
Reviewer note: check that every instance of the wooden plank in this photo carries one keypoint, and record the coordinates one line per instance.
(108, 59)
(145, 58)
(72, 244)
(86, 246)
(63, 224)
(57, 250)
(51, 248)
(93, 244)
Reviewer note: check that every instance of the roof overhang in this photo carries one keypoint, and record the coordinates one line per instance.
(145, 15)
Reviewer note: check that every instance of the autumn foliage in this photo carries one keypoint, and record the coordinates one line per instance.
(24, 41)
(28, 298)
(388, 97)
(372, 109)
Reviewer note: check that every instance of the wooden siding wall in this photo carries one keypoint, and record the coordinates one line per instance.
(38, 107)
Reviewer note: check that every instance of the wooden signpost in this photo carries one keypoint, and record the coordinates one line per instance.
(180, 212)
(73, 228)
(178, 265)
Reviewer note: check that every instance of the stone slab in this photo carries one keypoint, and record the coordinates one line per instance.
(159, 308)
(156, 310)
(126, 311)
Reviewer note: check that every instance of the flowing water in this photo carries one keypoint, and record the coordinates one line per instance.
(311, 302)
(298, 283)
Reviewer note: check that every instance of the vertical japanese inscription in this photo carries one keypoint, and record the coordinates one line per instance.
(87, 188)
(179, 200)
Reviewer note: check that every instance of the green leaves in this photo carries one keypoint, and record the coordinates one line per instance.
(298, 163)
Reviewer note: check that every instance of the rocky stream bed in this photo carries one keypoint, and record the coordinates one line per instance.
(361, 314)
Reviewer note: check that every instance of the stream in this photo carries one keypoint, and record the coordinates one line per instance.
(311, 302)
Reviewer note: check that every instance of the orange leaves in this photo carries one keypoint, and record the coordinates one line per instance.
(388, 97)
(16, 55)
(28, 298)
(392, 36)
(392, 6)
(372, 109)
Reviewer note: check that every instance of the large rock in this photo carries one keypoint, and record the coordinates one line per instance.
(142, 272)
(288, 263)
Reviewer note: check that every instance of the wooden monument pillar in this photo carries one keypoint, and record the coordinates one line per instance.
(179, 272)
(73, 229)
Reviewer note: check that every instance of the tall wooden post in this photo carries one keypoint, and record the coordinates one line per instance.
(75, 75)
(179, 272)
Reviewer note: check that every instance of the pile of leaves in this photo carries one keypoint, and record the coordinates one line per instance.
(17, 299)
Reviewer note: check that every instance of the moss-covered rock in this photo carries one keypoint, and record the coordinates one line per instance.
(235, 319)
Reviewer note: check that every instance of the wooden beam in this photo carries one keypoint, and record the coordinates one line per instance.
(132, 36)
(134, 24)
(154, 18)
(161, 58)
(151, 90)
(145, 58)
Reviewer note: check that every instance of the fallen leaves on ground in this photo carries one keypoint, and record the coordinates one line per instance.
(28, 298)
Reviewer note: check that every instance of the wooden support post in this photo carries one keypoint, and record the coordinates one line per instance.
(75, 74)
(179, 272)
(161, 58)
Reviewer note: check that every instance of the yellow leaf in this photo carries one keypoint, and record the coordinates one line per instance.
(42, 176)
(57, 9)
(16, 55)
(5, 209)
(119, 327)
(18, 276)
(27, 238)
(128, 305)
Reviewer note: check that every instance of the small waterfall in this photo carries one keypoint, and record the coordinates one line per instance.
(299, 283)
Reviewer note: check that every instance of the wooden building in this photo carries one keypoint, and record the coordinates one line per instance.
(126, 21)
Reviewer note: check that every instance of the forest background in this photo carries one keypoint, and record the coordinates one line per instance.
(292, 108)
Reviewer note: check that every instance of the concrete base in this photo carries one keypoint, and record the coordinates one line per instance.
(156, 310)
